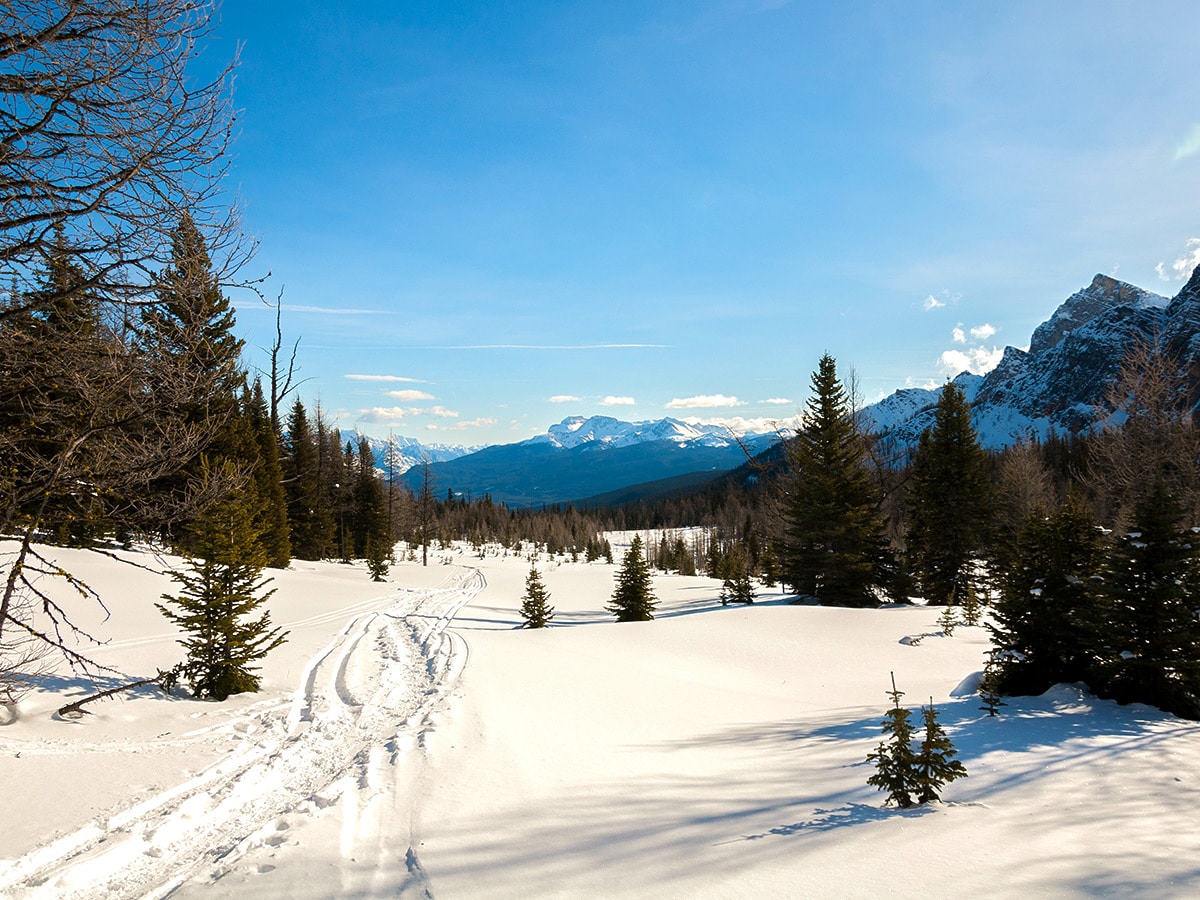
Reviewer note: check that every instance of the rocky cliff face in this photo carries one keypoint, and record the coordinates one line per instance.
(1059, 383)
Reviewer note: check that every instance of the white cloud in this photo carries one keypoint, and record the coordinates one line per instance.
(1183, 266)
(928, 384)
(983, 332)
(932, 302)
(565, 398)
(410, 395)
(481, 422)
(704, 401)
(779, 401)
(960, 336)
(979, 360)
(385, 414)
(1190, 145)
(618, 401)
(384, 378)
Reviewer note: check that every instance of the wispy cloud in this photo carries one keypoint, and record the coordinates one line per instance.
(410, 395)
(940, 300)
(399, 378)
(557, 347)
(386, 414)
(779, 401)
(704, 401)
(1190, 145)
(565, 398)
(482, 422)
(335, 310)
(618, 401)
(1183, 266)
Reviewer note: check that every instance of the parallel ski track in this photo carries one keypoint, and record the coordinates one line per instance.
(382, 675)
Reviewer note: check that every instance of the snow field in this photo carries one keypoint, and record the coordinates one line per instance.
(411, 741)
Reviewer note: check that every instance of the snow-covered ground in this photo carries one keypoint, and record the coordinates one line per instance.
(410, 741)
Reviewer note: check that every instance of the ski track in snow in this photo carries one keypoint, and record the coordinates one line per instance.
(363, 702)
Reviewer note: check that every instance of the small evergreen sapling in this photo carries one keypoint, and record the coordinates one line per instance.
(535, 607)
(219, 595)
(633, 598)
(948, 619)
(895, 762)
(935, 763)
(737, 586)
(906, 775)
(989, 685)
(378, 563)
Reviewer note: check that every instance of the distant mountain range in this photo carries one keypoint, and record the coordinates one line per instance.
(583, 457)
(1058, 384)
(407, 452)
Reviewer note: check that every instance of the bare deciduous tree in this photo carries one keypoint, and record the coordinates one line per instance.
(104, 139)
(1149, 437)
(107, 143)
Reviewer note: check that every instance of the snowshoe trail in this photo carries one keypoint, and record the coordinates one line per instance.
(345, 738)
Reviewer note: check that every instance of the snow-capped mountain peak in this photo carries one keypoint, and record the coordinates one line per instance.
(576, 431)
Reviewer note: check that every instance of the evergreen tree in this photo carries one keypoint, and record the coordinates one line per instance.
(935, 762)
(193, 321)
(834, 545)
(308, 515)
(737, 586)
(1152, 644)
(219, 594)
(633, 599)
(535, 602)
(948, 500)
(1050, 602)
(378, 559)
(268, 478)
(369, 506)
(989, 684)
(69, 337)
(895, 762)
(191, 327)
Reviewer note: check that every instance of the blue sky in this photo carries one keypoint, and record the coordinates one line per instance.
(507, 213)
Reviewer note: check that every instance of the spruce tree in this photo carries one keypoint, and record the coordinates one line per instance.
(191, 328)
(378, 558)
(369, 507)
(535, 602)
(1152, 645)
(948, 501)
(267, 475)
(221, 593)
(308, 516)
(935, 762)
(1051, 602)
(895, 762)
(737, 586)
(633, 599)
(834, 546)
(989, 684)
